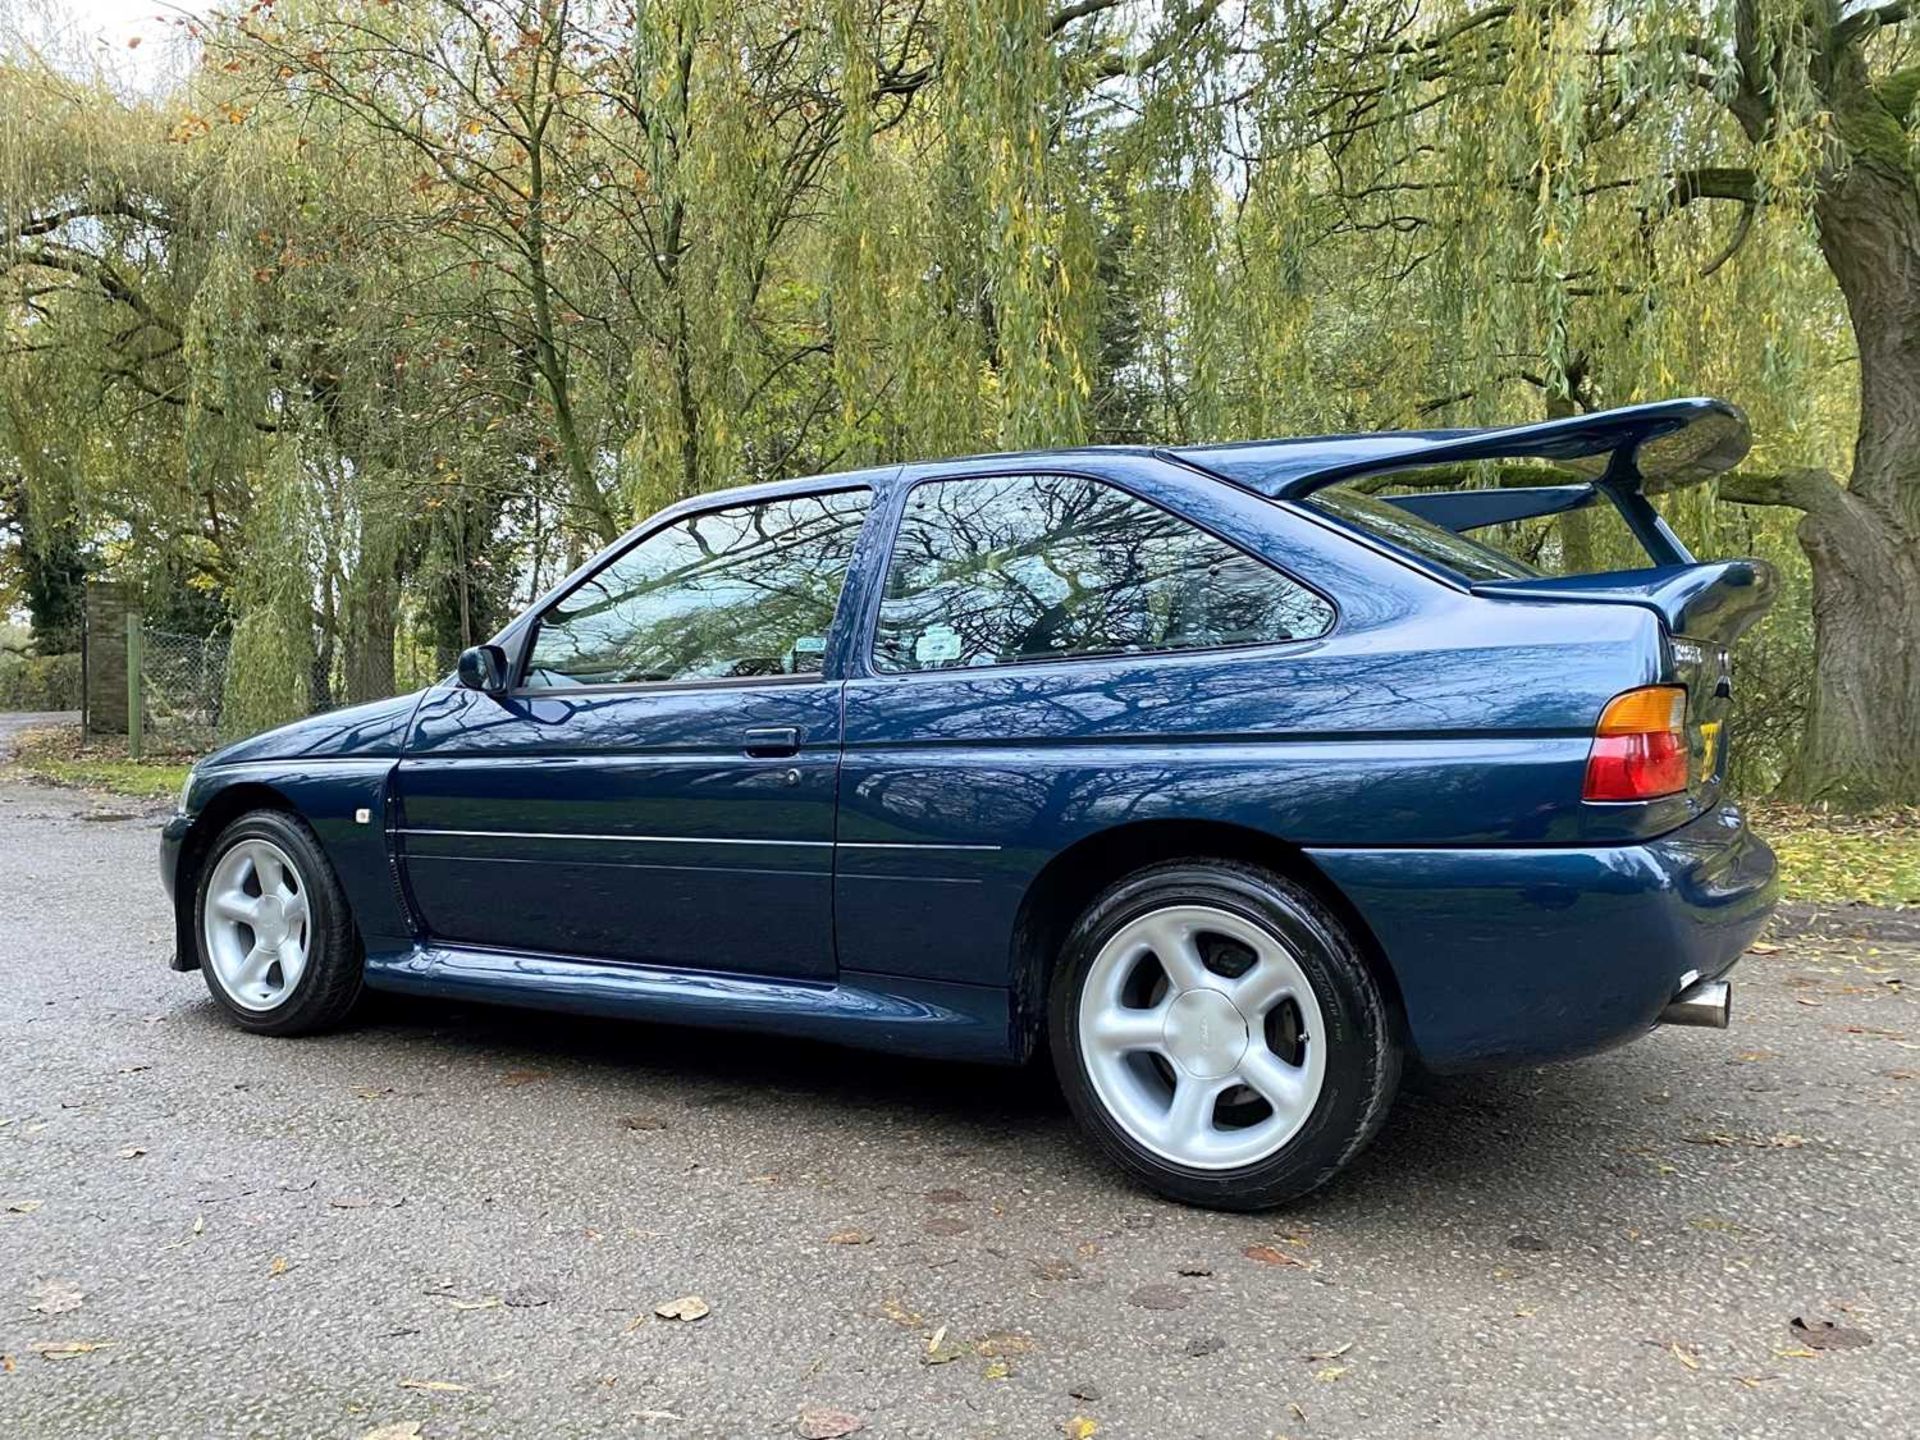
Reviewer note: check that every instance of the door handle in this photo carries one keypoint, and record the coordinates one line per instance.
(773, 741)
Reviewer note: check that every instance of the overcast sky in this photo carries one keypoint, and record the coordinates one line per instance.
(83, 33)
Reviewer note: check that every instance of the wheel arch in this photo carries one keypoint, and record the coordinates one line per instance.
(1068, 883)
(225, 806)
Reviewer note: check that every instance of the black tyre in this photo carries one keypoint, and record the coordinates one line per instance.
(277, 943)
(1218, 1034)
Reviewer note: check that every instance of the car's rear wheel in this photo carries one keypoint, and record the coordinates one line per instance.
(277, 944)
(1219, 1035)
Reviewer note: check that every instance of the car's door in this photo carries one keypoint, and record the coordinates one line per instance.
(658, 785)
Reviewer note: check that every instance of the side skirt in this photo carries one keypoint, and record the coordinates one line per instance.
(927, 1018)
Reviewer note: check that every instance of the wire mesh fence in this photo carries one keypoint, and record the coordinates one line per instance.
(181, 679)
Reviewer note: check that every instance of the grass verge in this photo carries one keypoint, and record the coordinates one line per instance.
(1828, 859)
(61, 757)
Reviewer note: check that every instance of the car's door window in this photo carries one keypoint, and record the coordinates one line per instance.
(749, 590)
(1008, 568)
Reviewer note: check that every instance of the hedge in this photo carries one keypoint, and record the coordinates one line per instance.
(39, 682)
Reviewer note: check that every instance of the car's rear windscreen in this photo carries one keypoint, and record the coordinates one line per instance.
(1436, 544)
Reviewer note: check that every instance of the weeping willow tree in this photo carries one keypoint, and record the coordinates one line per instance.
(388, 313)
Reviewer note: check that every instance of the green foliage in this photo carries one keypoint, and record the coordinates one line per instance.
(39, 682)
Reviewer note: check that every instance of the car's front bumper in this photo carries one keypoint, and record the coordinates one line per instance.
(1509, 956)
(173, 838)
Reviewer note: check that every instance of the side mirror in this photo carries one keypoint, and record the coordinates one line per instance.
(484, 668)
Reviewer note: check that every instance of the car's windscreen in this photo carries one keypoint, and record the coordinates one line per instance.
(1434, 543)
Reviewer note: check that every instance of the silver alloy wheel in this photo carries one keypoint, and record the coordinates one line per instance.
(257, 924)
(1209, 1066)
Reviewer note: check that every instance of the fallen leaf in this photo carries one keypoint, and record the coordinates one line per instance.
(56, 1297)
(996, 1370)
(1004, 1342)
(1268, 1255)
(1532, 1244)
(1159, 1297)
(1080, 1427)
(1334, 1354)
(1056, 1269)
(946, 1195)
(685, 1307)
(6, 1364)
(1761, 947)
(1332, 1372)
(1825, 1335)
(1685, 1356)
(485, 1302)
(279, 1267)
(817, 1422)
(513, 1079)
(349, 1202)
(65, 1349)
(398, 1430)
(1195, 1270)
(528, 1297)
(133, 1152)
(436, 1387)
(24, 1207)
(1205, 1345)
(946, 1225)
(850, 1237)
(941, 1351)
(1084, 1390)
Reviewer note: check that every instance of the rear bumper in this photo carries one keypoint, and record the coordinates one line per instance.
(1507, 957)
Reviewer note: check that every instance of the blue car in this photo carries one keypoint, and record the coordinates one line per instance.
(1237, 777)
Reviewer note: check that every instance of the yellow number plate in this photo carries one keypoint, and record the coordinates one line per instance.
(1709, 745)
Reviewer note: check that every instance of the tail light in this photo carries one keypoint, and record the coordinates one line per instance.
(1640, 746)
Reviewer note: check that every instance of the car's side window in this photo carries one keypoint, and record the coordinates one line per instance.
(1006, 568)
(745, 591)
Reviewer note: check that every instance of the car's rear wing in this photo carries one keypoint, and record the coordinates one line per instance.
(1628, 452)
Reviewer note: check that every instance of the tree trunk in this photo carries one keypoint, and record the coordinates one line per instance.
(373, 606)
(1862, 743)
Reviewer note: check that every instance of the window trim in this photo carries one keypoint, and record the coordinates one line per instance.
(897, 518)
(523, 661)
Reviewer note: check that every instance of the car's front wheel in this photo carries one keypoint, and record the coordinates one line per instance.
(277, 944)
(1218, 1034)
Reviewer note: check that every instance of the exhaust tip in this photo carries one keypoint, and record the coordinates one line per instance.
(1707, 1003)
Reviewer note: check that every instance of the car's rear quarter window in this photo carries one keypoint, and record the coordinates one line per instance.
(998, 570)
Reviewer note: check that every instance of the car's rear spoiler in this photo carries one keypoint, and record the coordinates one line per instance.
(1628, 451)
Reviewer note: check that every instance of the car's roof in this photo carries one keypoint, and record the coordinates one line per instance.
(1693, 437)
